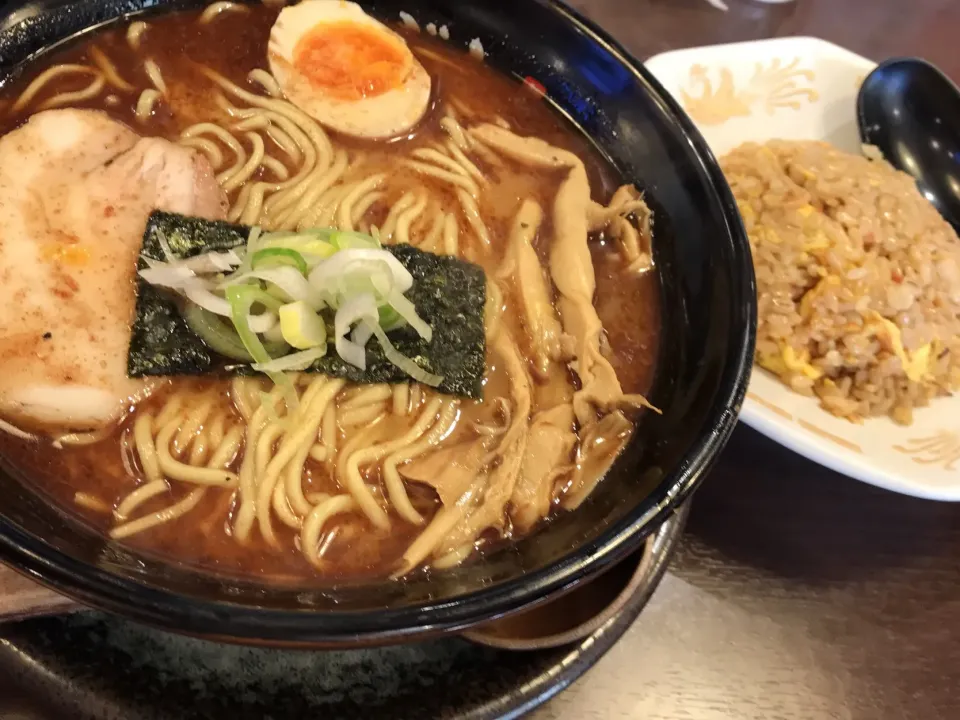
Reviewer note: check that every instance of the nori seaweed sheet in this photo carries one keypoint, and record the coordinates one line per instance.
(448, 293)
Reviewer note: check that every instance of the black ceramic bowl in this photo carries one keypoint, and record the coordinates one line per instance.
(708, 302)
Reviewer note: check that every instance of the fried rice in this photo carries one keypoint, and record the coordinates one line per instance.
(858, 278)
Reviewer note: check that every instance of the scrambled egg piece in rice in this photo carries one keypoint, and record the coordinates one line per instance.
(858, 278)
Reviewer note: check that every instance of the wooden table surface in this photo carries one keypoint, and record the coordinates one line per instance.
(798, 594)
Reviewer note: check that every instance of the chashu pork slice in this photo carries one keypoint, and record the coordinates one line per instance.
(76, 188)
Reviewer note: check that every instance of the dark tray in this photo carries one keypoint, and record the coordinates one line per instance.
(90, 665)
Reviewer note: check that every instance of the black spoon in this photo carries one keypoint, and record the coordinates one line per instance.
(911, 112)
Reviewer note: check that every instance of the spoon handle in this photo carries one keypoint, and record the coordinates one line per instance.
(22, 598)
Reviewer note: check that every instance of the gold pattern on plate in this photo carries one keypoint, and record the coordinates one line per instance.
(941, 448)
(770, 406)
(836, 439)
(774, 86)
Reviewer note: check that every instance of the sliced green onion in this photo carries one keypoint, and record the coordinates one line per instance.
(390, 319)
(301, 326)
(349, 240)
(277, 257)
(219, 306)
(214, 332)
(241, 298)
(292, 276)
(223, 339)
(401, 360)
(291, 284)
(352, 271)
(246, 252)
(312, 245)
(273, 335)
(408, 312)
(262, 297)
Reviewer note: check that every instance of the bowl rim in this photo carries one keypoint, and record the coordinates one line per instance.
(234, 622)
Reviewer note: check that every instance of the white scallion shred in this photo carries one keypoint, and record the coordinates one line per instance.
(164, 245)
(253, 237)
(212, 262)
(358, 308)
(361, 335)
(293, 362)
(175, 277)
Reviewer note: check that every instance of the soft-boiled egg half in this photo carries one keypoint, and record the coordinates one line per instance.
(348, 71)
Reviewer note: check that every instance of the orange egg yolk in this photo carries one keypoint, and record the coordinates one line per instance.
(350, 61)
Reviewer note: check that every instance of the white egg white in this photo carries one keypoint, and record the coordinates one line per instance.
(382, 116)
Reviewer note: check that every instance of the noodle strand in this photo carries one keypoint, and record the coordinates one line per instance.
(109, 70)
(34, 88)
(314, 522)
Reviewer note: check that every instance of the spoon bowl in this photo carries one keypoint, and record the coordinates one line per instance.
(910, 111)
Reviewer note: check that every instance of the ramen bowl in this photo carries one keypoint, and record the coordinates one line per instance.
(706, 296)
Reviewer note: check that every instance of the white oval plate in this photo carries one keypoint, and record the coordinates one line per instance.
(806, 89)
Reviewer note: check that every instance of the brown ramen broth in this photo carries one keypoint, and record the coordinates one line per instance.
(232, 44)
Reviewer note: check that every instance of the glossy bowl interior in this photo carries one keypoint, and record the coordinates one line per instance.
(708, 302)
